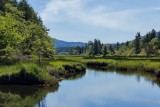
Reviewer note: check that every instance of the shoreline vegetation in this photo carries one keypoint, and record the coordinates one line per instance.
(49, 73)
(141, 64)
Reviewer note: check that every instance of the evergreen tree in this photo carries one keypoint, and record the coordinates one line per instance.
(153, 34)
(146, 39)
(105, 50)
(95, 47)
(15, 3)
(90, 48)
(117, 46)
(29, 13)
(85, 48)
(159, 35)
(99, 47)
(111, 49)
(137, 43)
(127, 43)
(2, 5)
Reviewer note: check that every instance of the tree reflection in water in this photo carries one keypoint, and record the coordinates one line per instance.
(24, 96)
(27, 96)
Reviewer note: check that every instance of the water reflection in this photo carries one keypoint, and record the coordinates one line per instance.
(24, 96)
(75, 76)
(94, 88)
(139, 75)
(98, 88)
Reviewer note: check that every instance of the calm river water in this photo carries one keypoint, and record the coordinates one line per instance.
(90, 89)
(106, 89)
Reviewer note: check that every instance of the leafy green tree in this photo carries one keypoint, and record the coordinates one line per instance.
(152, 47)
(10, 38)
(22, 32)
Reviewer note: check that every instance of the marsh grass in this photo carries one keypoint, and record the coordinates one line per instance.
(140, 63)
(52, 70)
(26, 74)
(9, 70)
(147, 66)
(66, 69)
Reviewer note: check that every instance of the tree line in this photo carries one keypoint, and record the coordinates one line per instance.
(22, 32)
(93, 48)
(148, 45)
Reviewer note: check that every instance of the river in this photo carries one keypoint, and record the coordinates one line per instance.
(90, 89)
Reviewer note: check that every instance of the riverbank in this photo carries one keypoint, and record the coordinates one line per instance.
(31, 73)
(50, 72)
(145, 64)
(64, 69)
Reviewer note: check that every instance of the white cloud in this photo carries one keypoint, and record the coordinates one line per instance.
(57, 10)
(99, 16)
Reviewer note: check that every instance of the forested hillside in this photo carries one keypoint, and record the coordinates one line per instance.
(22, 33)
(148, 45)
(63, 47)
(63, 44)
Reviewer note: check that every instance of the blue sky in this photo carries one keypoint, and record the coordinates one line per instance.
(108, 20)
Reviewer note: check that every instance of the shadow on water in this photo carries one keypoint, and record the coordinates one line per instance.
(75, 76)
(24, 96)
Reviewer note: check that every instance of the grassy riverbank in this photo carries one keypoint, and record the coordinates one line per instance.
(25, 74)
(146, 64)
(31, 73)
(64, 67)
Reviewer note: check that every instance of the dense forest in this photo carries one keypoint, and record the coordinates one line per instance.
(22, 33)
(148, 45)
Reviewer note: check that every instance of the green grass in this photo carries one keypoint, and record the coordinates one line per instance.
(26, 73)
(39, 73)
(31, 73)
(147, 66)
(9, 70)
(64, 67)
(140, 63)
(53, 70)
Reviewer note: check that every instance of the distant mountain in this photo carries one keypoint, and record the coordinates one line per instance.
(61, 43)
